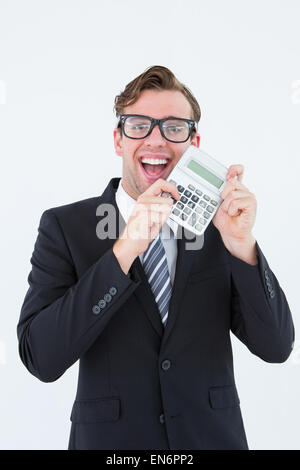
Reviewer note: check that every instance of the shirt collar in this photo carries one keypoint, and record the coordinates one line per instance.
(126, 203)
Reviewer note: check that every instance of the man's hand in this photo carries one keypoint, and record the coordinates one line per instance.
(236, 216)
(148, 215)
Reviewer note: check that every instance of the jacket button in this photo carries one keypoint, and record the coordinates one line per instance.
(166, 364)
(266, 274)
(102, 303)
(96, 309)
(112, 291)
(107, 297)
(162, 418)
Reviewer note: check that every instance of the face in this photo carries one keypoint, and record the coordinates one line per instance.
(137, 177)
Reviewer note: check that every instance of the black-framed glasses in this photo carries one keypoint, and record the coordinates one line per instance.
(137, 126)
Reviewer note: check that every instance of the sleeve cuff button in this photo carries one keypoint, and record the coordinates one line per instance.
(107, 297)
(96, 309)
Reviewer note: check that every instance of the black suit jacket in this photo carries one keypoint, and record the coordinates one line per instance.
(141, 386)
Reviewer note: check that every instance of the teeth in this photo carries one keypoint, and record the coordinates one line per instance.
(153, 161)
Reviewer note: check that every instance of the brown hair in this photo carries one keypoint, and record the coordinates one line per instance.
(159, 78)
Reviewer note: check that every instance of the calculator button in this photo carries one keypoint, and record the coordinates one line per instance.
(172, 181)
(206, 215)
(210, 209)
(202, 204)
(202, 221)
(191, 204)
(198, 227)
(180, 188)
(193, 219)
(206, 197)
(199, 210)
(198, 192)
(175, 211)
(183, 216)
(214, 203)
(180, 205)
(191, 187)
(195, 198)
(187, 193)
(183, 199)
(187, 210)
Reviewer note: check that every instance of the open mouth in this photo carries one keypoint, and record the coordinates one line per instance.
(154, 168)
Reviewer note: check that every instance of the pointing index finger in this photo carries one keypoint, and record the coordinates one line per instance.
(161, 186)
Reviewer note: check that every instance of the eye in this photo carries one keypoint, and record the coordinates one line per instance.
(175, 129)
(139, 127)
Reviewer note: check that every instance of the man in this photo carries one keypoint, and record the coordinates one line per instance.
(156, 367)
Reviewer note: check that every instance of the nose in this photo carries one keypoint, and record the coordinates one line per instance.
(155, 138)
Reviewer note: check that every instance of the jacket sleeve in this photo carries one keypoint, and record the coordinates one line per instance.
(61, 315)
(261, 316)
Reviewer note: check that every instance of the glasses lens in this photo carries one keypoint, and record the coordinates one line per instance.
(136, 127)
(176, 130)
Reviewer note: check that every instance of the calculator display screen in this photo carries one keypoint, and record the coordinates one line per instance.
(205, 174)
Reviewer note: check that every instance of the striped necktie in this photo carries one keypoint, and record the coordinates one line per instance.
(156, 269)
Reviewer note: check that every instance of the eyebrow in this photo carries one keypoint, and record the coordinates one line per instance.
(166, 117)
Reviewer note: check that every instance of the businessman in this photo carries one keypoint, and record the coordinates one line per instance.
(149, 319)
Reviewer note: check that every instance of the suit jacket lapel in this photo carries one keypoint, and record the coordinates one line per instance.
(146, 298)
(184, 263)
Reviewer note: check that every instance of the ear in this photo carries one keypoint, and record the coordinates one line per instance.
(196, 140)
(118, 142)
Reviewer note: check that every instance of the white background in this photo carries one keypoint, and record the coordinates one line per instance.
(61, 65)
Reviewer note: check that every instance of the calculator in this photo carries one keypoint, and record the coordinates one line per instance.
(200, 180)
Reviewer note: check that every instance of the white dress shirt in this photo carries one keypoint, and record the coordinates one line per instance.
(168, 232)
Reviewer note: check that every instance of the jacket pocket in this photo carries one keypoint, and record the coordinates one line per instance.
(215, 271)
(95, 411)
(223, 397)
